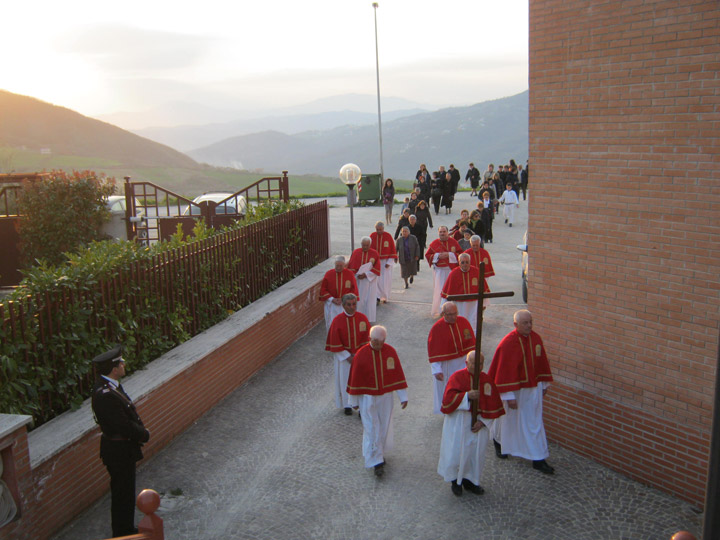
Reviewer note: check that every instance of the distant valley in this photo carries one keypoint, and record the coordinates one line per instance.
(311, 143)
(492, 131)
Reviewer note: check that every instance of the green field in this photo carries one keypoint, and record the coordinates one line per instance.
(186, 182)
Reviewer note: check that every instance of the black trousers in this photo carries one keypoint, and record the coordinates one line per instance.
(122, 496)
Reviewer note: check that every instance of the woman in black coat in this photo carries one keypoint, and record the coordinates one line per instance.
(448, 193)
(436, 192)
(424, 186)
(422, 213)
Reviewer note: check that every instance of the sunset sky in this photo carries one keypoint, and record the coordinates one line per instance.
(100, 58)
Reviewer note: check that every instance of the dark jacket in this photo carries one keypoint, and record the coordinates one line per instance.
(423, 217)
(402, 222)
(122, 429)
(455, 176)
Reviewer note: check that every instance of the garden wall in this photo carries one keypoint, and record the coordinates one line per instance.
(57, 467)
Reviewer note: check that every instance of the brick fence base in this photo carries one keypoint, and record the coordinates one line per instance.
(59, 472)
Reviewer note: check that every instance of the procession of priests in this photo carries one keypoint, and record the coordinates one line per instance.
(502, 406)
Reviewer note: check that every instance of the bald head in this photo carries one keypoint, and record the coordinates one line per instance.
(378, 335)
(522, 319)
(449, 312)
(470, 361)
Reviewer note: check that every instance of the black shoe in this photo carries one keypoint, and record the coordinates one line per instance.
(506, 221)
(359, 416)
(377, 303)
(380, 469)
(542, 466)
(456, 488)
(511, 224)
(498, 450)
(348, 411)
(406, 285)
(411, 279)
(472, 488)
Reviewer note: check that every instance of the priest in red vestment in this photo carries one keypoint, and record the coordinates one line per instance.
(521, 372)
(374, 375)
(450, 339)
(383, 242)
(441, 255)
(335, 284)
(478, 254)
(365, 263)
(464, 280)
(462, 449)
(348, 332)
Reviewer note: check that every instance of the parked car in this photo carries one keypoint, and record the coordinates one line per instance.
(115, 228)
(524, 266)
(234, 204)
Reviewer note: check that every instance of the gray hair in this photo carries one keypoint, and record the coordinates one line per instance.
(378, 332)
(475, 238)
(365, 239)
(380, 224)
(340, 258)
(464, 256)
(405, 228)
(347, 297)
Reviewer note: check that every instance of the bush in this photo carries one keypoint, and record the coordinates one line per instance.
(60, 213)
(120, 292)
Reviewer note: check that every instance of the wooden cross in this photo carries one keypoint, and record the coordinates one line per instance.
(480, 296)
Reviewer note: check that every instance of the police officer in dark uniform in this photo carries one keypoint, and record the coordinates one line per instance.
(122, 436)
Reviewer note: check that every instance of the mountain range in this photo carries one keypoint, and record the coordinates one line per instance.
(491, 131)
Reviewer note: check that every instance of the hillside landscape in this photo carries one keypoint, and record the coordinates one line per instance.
(40, 136)
(486, 132)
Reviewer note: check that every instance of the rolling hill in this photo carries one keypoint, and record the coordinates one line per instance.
(492, 131)
(33, 125)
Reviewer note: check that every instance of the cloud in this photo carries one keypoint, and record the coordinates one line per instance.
(131, 51)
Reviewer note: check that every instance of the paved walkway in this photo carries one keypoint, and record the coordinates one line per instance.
(276, 460)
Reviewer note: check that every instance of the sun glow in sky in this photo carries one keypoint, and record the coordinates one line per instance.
(99, 57)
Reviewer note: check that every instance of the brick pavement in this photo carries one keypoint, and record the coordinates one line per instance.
(276, 459)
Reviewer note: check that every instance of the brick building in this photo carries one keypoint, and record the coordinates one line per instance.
(625, 228)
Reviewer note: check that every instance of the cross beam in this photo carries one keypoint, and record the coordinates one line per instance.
(480, 296)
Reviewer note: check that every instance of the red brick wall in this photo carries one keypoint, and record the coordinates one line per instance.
(16, 475)
(625, 227)
(66, 484)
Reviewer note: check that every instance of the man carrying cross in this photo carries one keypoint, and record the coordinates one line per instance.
(462, 450)
(481, 295)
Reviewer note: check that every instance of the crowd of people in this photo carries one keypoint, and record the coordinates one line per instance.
(494, 190)
(368, 369)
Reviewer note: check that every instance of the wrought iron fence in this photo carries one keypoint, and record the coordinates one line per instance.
(192, 286)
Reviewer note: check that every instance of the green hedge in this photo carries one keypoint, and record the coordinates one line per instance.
(43, 378)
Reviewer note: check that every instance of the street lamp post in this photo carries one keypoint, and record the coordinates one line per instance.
(377, 77)
(350, 174)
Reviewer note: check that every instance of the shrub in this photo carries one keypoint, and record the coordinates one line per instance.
(60, 213)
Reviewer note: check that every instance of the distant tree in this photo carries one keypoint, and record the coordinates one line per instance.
(61, 213)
